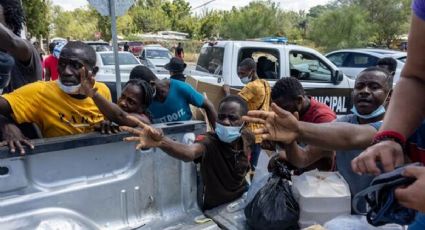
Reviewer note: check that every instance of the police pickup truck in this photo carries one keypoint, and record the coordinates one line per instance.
(218, 61)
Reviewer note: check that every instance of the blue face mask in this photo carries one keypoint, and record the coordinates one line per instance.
(378, 112)
(227, 134)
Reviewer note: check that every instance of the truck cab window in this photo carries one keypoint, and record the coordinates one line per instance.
(211, 60)
(308, 67)
(268, 61)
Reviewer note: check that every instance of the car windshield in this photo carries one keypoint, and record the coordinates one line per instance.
(124, 59)
(158, 54)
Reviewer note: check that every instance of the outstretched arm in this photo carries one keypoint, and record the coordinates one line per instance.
(149, 137)
(282, 126)
(110, 110)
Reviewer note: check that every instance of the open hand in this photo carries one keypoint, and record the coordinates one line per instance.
(147, 136)
(413, 196)
(279, 125)
(87, 83)
(389, 153)
(13, 137)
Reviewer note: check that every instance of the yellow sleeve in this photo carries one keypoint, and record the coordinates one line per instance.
(103, 90)
(248, 92)
(25, 102)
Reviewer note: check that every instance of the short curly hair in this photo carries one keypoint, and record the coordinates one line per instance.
(13, 15)
(287, 88)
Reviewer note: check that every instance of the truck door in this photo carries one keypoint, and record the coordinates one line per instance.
(316, 75)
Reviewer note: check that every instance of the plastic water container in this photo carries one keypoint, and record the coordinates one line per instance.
(322, 196)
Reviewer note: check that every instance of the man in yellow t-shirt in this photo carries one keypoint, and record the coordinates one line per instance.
(58, 108)
(257, 94)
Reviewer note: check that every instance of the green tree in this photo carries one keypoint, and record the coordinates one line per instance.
(148, 16)
(37, 17)
(341, 28)
(258, 19)
(209, 24)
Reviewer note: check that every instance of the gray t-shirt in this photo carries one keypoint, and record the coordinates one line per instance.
(343, 163)
(24, 73)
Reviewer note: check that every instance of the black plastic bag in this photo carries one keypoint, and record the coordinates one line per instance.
(274, 206)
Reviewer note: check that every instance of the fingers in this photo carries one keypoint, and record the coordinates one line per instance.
(404, 196)
(260, 114)
(260, 131)
(12, 146)
(102, 128)
(131, 130)
(253, 120)
(108, 129)
(137, 121)
(3, 143)
(414, 171)
(132, 139)
(279, 111)
(28, 143)
(20, 147)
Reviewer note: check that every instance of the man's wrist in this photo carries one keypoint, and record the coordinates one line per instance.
(389, 135)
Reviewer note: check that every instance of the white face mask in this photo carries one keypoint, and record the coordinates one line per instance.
(72, 89)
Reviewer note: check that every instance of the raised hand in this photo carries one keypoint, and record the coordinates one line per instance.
(279, 125)
(147, 136)
(87, 83)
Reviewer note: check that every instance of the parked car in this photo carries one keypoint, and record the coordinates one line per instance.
(99, 46)
(106, 64)
(155, 56)
(353, 61)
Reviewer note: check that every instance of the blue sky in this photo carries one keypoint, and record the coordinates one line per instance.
(217, 4)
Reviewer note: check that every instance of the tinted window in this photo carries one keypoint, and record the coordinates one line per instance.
(211, 60)
(358, 60)
(308, 67)
(338, 58)
(267, 61)
(124, 59)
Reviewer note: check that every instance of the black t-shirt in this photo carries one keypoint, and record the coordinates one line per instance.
(24, 73)
(223, 171)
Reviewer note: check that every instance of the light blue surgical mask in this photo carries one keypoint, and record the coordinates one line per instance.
(378, 112)
(246, 79)
(72, 89)
(227, 134)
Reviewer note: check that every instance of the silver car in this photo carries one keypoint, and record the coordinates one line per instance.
(106, 64)
(155, 56)
(353, 61)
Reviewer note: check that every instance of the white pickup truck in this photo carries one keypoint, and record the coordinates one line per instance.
(218, 61)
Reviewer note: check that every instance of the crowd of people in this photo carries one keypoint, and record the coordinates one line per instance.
(305, 133)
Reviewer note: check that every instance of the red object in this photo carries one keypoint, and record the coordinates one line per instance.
(51, 63)
(318, 113)
(389, 135)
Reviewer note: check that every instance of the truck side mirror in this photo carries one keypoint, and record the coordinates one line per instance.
(337, 77)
